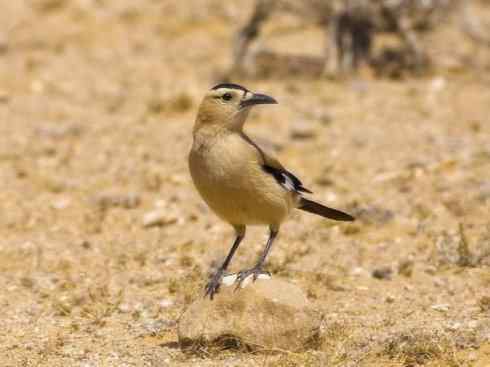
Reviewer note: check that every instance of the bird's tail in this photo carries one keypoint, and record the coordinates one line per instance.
(319, 209)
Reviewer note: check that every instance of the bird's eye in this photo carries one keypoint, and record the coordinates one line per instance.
(227, 96)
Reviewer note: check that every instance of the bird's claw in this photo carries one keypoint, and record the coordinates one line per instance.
(244, 275)
(214, 284)
(240, 279)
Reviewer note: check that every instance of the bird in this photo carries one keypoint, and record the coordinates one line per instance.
(238, 180)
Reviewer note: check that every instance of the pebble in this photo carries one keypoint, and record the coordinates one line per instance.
(484, 303)
(301, 130)
(114, 199)
(158, 217)
(438, 84)
(405, 267)
(164, 303)
(454, 326)
(431, 270)
(125, 308)
(443, 307)
(358, 271)
(439, 282)
(384, 272)
(61, 203)
(158, 326)
(59, 132)
(389, 299)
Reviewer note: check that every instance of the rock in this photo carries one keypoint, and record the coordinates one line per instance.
(158, 217)
(272, 314)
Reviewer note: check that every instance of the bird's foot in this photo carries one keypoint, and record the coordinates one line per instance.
(245, 276)
(214, 283)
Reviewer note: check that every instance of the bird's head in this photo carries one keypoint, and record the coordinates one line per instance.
(227, 106)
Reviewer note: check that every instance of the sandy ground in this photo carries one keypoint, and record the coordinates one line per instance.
(97, 101)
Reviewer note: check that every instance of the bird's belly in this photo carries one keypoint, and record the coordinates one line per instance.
(239, 194)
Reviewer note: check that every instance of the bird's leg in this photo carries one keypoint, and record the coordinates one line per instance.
(213, 285)
(256, 271)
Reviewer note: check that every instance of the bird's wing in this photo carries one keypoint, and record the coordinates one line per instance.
(273, 167)
(289, 181)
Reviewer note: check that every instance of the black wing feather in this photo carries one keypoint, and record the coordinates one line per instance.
(281, 175)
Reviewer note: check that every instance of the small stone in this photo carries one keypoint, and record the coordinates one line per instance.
(266, 314)
(384, 272)
(61, 203)
(164, 303)
(438, 84)
(358, 271)
(302, 130)
(46, 130)
(431, 270)
(439, 282)
(405, 267)
(156, 327)
(389, 299)
(111, 199)
(85, 244)
(454, 326)
(443, 307)
(484, 303)
(125, 308)
(158, 217)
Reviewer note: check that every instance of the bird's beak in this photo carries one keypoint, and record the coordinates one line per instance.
(257, 98)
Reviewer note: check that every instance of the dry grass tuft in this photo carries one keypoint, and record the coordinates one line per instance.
(419, 347)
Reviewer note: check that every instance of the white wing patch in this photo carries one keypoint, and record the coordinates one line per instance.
(288, 184)
(286, 179)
